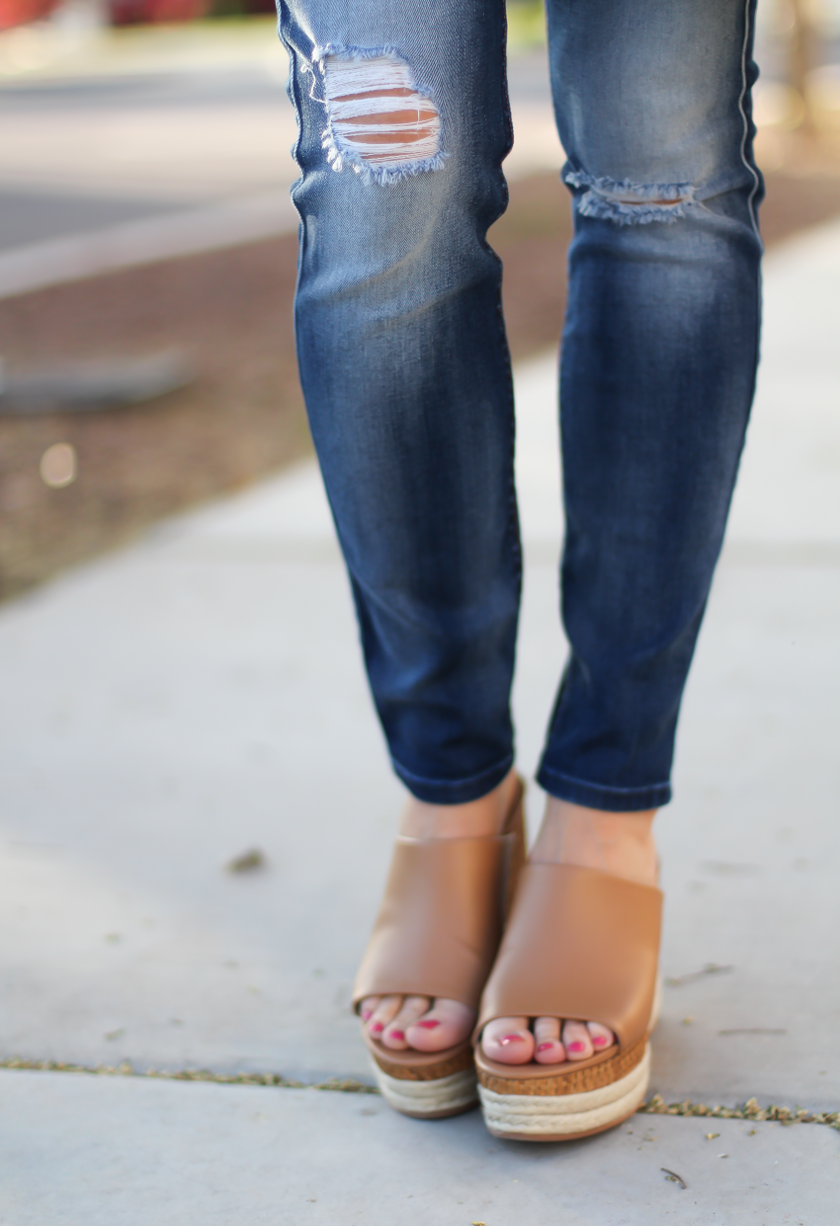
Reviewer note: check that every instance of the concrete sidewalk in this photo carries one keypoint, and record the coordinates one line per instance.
(201, 694)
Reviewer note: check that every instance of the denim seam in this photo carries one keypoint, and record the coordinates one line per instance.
(748, 8)
(291, 88)
(296, 65)
(342, 150)
(514, 531)
(594, 795)
(604, 787)
(451, 784)
(742, 108)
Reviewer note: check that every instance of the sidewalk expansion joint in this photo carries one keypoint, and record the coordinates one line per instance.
(343, 1085)
(750, 1110)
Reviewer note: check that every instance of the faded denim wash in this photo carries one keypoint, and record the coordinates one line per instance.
(406, 372)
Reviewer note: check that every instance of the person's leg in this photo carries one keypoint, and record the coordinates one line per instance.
(404, 124)
(658, 368)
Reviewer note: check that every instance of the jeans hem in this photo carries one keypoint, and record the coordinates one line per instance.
(602, 796)
(454, 792)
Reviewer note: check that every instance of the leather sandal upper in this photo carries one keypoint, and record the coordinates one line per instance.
(441, 916)
(579, 944)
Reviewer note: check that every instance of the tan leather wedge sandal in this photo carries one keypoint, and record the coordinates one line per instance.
(584, 945)
(436, 935)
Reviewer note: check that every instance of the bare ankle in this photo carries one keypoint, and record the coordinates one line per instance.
(618, 843)
(474, 819)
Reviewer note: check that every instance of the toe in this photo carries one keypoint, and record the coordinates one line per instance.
(576, 1040)
(448, 1022)
(602, 1037)
(547, 1046)
(384, 1013)
(508, 1040)
(367, 1007)
(411, 1009)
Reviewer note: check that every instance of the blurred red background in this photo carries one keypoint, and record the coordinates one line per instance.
(135, 12)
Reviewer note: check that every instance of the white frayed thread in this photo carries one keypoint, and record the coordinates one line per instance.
(380, 123)
(386, 88)
(631, 204)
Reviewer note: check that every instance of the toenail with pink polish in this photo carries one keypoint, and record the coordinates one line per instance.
(428, 1023)
(576, 1046)
(377, 1028)
(511, 1038)
(366, 1013)
(398, 1035)
(545, 1046)
(599, 1041)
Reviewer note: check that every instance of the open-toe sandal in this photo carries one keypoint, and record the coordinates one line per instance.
(436, 935)
(582, 945)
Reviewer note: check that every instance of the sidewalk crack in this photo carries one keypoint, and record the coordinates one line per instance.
(750, 1110)
(341, 1085)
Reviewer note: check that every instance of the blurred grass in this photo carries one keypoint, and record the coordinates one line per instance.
(526, 24)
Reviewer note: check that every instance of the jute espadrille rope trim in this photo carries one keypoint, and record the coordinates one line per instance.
(565, 1104)
(565, 1114)
(429, 1097)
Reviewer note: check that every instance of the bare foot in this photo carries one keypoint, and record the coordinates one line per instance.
(420, 1022)
(617, 843)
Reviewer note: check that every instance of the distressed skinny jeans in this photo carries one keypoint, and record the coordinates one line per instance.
(403, 125)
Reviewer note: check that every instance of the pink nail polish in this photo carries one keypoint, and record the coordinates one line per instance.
(599, 1041)
(576, 1046)
(511, 1038)
(377, 1028)
(398, 1035)
(545, 1046)
(428, 1023)
(366, 1013)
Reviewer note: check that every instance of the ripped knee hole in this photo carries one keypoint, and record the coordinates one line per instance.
(377, 114)
(630, 203)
